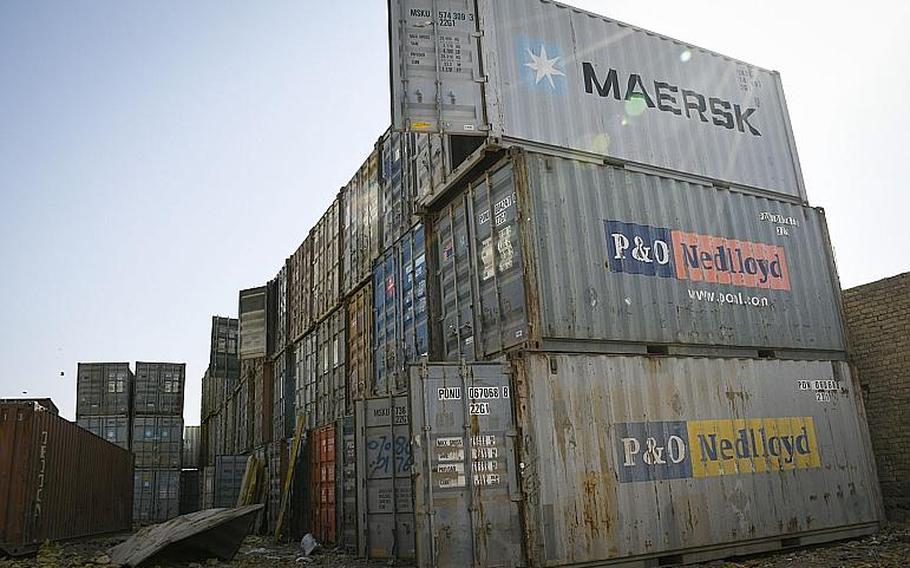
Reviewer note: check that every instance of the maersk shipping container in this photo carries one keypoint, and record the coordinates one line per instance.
(159, 388)
(157, 442)
(327, 246)
(252, 323)
(300, 290)
(361, 223)
(557, 253)
(103, 389)
(401, 334)
(156, 496)
(560, 77)
(331, 375)
(51, 485)
(114, 429)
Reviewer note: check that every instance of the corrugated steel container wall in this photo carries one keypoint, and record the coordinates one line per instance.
(229, 472)
(385, 498)
(322, 482)
(103, 389)
(307, 373)
(283, 395)
(271, 317)
(347, 496)
(464, 455)
(158, 442)
(360, 342)
(50, 484)
(700, 454)
(435, 80)
(580, 212)
(634, 95)
(479, 269)
(192, 445)
(361, 223)
(156, 496)
(300, 293)
(158, 388)
(262, 425)
(208, 487)
(331, 379)
(190, 491)
(278, 463)
(223, 360)
(704, 267)
(114, 429)
(282, 324)
(400, 310)
(412, 165)
(327, 251)
(252, 323)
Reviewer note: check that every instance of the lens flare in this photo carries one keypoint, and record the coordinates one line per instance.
(636, 105)
(685, 56)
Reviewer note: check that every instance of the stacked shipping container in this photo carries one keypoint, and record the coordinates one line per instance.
(661, 318)
(103, 400)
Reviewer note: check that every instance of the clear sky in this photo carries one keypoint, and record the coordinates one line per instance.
(156, 157)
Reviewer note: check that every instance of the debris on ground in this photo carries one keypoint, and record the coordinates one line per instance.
(889, 548)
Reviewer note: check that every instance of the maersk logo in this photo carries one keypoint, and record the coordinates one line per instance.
(541, 65)
(649, 451)
(666, 97)
(669, 253)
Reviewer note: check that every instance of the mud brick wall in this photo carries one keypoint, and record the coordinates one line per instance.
(878, 328)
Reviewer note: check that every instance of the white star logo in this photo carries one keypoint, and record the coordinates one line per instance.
(544, 67)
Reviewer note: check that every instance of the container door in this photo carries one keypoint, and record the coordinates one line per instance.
(384, 466)
(466, 491)
(348, 474)
(323, 484)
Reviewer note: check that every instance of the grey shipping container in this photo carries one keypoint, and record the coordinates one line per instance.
(614, 259)
(252, 323)
(190, 491)
(346, 499)
(159, 388)
(103, 389)
(400, 309)
(156, 497)
(223, 357)
(300, 290)
(192, 446)
(207, 482)
(689, 459)
(384, 467)
(114, 429)
(306, 361)
(561, 77)
(157, 442)
(360, 341)
(282, 325)
(327, 250)
(52, 484)
(331, 377)
(271, 317)
(283, 394)
(361, 223)
(228, 478)
(467, 495)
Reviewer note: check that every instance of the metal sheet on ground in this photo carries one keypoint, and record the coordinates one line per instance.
(466, 490)
(631, 456)
(384, 464)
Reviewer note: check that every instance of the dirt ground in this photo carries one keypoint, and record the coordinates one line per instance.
(890, 548)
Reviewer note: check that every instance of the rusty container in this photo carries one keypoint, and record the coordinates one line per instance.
(51, 487)
(323, 484)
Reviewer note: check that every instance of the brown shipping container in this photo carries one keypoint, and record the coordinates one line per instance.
(51, 487)
(360, 343)
(323, 484)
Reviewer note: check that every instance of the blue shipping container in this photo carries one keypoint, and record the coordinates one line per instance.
(400, 308)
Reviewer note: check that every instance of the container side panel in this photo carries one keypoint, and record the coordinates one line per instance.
(659, 455)
(569, 79)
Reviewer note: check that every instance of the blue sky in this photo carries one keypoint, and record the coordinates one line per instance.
(156, 157)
